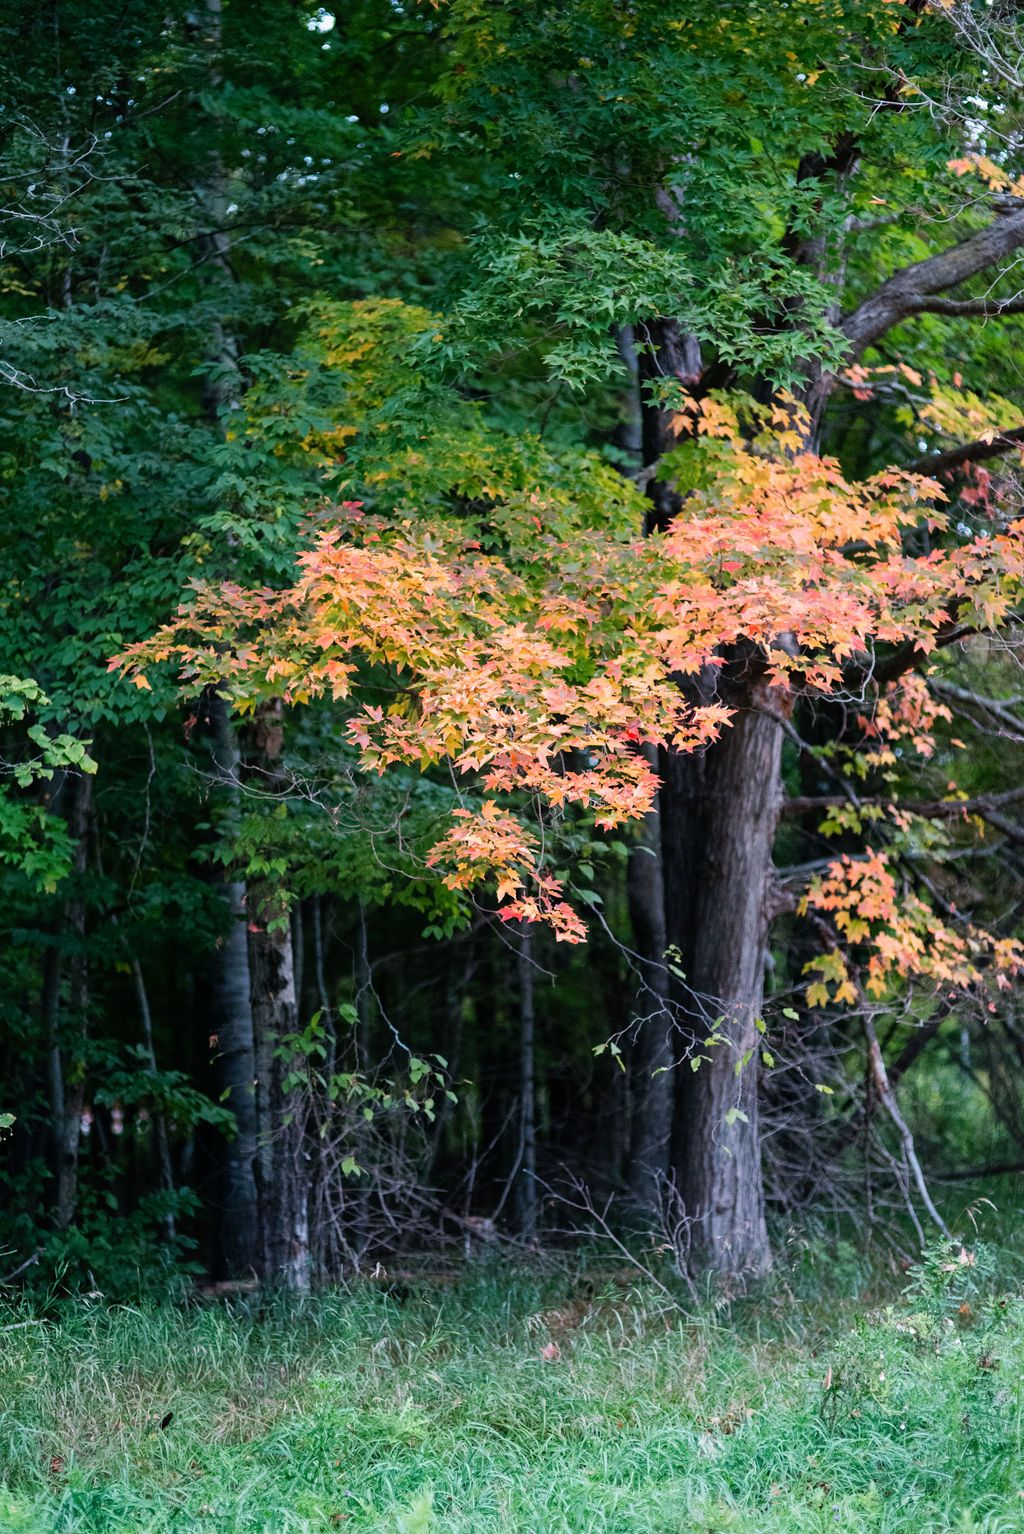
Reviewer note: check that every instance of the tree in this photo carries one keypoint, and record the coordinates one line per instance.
(667, 107)
(542, 666)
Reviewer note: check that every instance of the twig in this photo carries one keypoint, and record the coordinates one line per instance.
(22, 1266)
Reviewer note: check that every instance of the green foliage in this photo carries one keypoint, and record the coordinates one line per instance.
(119, 1257)
(32, 840)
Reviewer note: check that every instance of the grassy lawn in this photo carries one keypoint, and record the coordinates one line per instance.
(519, 1403)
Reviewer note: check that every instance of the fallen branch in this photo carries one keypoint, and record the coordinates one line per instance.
(887, 1098)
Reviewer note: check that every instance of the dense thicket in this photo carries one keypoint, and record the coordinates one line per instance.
(474, 265)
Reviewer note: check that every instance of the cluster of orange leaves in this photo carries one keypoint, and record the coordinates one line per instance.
(906, 936)
(905, 714)
(540, 670)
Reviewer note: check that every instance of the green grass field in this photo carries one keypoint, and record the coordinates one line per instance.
(520, 1402)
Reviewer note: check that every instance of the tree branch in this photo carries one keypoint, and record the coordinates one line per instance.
(903, 659)
(997, 711)
(886, 1096)
(931, 809)
(978, 451)
(987, 807)
(977, 1173)
(908, 291)
(983, 308)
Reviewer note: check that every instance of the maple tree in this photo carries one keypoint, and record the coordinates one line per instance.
(539, 671)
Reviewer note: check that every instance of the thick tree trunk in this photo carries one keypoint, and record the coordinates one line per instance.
(719, 813)
(282, 1176)
(666, 351)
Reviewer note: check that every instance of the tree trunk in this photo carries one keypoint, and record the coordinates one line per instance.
(282, 1247)
(281, 1162)
(165, 1165)
(719, 813)
(281, 1171)
(526, 1177)
(230, 1025)
(652, 1054)
(67, 1045)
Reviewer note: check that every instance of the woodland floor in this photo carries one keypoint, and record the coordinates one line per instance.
(526, 1403)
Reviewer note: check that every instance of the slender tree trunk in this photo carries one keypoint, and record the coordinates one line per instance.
(457, 993)
(281, 1182)
(281, 1171)
(281, 1161)
(323, 1000)
(526, 1179)
(642, 435)
(68, 1052)
(163, 1145)
(50, 1007)
(652, 1054)
(237, 1241)
(233, 1063)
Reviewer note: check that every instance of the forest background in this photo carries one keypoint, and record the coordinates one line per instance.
(510, 618)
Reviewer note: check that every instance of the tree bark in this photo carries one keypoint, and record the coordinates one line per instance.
(526, 1178)
(231, 1037)
(916, 289)
(282, 1178)
(67, 1052)
(281, 1191)
(652, 1054)
(281, 1172)
(664, 351)
(719, 813)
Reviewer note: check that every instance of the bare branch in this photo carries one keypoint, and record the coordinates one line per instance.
(887, 1098)
(904, 658)
(983, 308)
(929, 809)
(994, 711)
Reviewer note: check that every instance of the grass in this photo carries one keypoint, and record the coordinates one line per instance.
(522, 1403)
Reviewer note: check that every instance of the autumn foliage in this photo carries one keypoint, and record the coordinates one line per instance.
(532, 672)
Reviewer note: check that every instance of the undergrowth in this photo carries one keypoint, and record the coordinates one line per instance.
(523, 1402)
